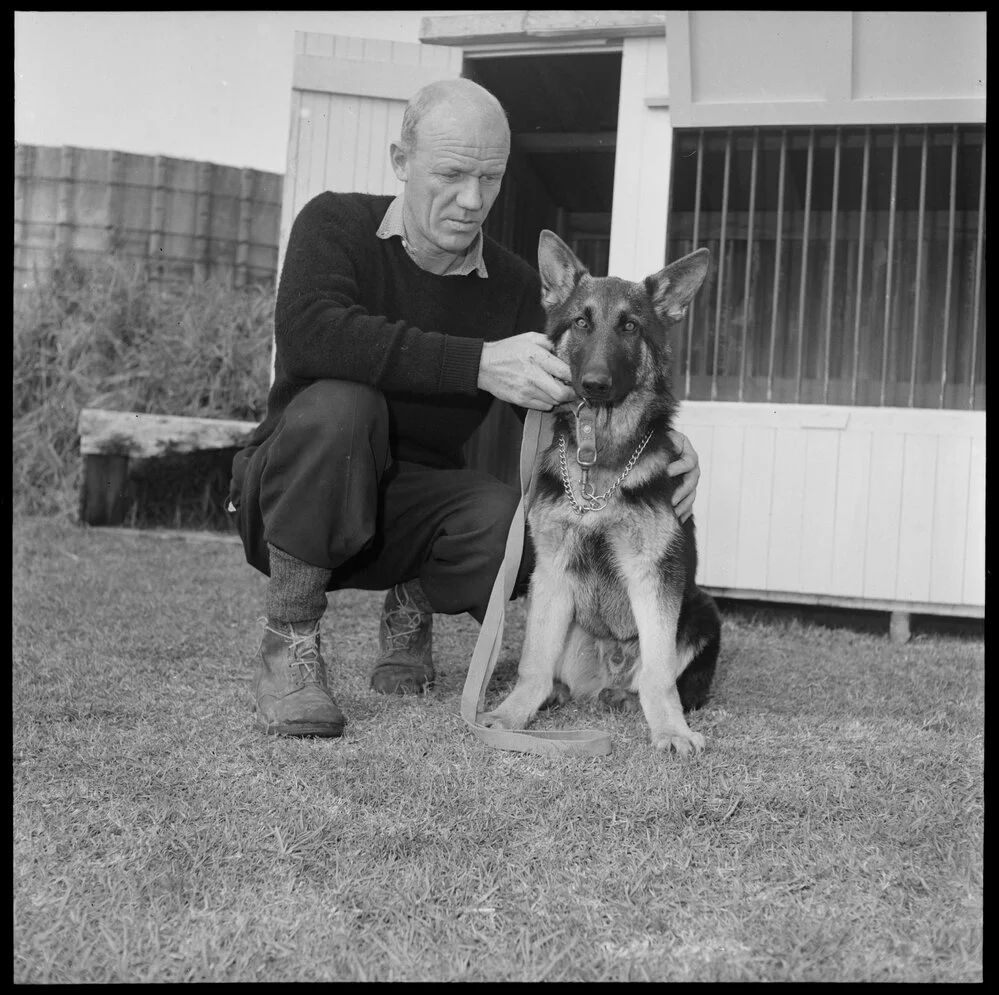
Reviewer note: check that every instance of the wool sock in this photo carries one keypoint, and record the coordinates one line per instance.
(296, 591)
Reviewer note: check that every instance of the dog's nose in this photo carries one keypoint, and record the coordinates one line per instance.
(597, 386)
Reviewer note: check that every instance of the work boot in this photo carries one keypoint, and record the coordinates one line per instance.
(290, 683)
(405, 635)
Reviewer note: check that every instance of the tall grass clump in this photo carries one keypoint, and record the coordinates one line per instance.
(105, 334)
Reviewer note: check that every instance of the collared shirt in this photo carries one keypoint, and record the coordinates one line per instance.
(471, 262)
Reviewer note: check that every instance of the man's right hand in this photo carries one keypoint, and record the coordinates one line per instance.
(524, 370)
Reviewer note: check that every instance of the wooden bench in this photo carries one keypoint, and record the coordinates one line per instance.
(109, 439)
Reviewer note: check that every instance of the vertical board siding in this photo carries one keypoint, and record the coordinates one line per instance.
(849, 524)
(188, 219)
(878, 504)
(313, 161)
(723, 505)
(883, 513)
(756, 526)
(916, 517)
(818, 538)
(787, 508)
(974, 553)
(950, 517)
(344, 128)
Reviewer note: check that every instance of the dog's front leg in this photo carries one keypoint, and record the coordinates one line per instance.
(549, 616)
(656, 614)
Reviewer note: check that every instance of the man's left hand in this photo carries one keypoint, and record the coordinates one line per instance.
(687, 464)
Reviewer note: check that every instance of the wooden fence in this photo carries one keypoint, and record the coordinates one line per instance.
(187, 219)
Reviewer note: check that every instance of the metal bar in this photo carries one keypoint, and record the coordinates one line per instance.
(919, 267)
(749, 262)
(697, 226)
(803, 282)
(892, 203)
(832, 265)
(976, 296)
(951, 221)
(778, 245)
(721, 264)
(866, 173)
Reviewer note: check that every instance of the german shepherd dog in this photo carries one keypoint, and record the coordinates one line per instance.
(614, 611)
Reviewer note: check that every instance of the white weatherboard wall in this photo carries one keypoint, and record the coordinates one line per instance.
(348, 98)
(876, 507)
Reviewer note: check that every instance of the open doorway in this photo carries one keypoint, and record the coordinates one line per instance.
(563, 123)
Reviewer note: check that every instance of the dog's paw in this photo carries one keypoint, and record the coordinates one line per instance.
(619, 701)
(560, 696)
(498, 720)
(689, 744)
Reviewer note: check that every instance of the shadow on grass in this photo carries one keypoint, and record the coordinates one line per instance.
(858, 620)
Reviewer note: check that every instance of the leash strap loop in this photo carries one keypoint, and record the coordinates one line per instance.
(558, 742)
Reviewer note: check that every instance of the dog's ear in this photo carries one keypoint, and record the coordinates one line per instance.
(560, 270)
(673, 288)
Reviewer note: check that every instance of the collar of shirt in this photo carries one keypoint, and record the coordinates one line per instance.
(471, 262)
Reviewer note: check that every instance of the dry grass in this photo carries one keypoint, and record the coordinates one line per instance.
(832, 831)
(106, 336)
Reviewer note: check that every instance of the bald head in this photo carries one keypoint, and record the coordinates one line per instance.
(451, 156)
(455, 97)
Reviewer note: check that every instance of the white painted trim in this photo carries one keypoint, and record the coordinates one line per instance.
(491, 27)
(861, 111)
(644, 158)
(487, 50)
(929, 421)
(836, 601)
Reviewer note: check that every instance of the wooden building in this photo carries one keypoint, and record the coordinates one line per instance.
(832, 371)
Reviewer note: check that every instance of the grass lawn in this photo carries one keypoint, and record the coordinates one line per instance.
(831, 831)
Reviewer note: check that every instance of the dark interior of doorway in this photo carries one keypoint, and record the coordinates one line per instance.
(563, 123)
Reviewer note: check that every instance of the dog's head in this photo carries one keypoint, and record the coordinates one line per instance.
(608, 329)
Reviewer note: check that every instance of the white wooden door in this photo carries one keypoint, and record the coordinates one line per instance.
(348, 97)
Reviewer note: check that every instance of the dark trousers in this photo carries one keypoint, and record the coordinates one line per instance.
(324, 488)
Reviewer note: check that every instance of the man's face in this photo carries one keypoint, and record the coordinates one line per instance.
(452, 176)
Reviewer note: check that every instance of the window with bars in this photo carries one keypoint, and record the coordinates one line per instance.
(848, 264)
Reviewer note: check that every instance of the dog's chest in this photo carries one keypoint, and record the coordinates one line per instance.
(602, 557)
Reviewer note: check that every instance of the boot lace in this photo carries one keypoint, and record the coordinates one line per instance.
(404, 621)
(304, 652)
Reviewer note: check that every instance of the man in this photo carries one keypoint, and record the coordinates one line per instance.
(397, 323)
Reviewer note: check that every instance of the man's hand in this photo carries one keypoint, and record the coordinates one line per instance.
(687, 464)
(523, 370)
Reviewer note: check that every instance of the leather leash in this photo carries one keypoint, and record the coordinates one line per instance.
(557, 742)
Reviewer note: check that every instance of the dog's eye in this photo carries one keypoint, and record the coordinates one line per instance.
(581, 323)
(630, 326)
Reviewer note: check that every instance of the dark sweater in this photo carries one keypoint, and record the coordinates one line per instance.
(352, 306)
